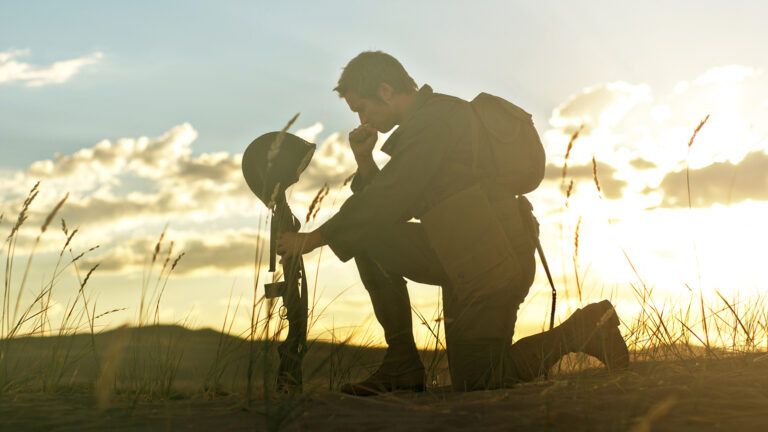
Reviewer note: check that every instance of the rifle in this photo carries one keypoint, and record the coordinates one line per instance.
(293, 290)
(272, 163)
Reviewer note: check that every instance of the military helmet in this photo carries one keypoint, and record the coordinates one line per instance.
(273, 162)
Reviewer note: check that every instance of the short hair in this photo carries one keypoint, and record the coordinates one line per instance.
(364, 73)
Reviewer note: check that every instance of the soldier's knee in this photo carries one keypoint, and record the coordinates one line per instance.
(374, 276)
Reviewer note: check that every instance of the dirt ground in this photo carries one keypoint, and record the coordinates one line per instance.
(712, 394)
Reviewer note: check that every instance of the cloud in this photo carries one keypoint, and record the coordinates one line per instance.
(719, 183)
(145, 157)
(599, 106)
(332, 163)
(13, 70)
(641, 164)
(131, 178)
(132, 187)
(213, 252)
(610, 186)
(310, 133)
(642, 133)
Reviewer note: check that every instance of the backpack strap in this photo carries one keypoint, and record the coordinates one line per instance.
(528, 207)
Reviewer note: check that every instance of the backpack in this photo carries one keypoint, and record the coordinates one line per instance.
(508, 152)
(507, 149)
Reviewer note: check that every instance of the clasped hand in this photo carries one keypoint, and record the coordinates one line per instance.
(362, 140)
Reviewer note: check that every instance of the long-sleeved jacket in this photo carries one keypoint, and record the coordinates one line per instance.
(431, 159)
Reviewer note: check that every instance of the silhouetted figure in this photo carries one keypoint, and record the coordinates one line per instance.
(476, 238)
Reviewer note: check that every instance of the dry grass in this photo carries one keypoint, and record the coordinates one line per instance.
(569, 147)
(595, 178)
(314, 207)
(576, 275)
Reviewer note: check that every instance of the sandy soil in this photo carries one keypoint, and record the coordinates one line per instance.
(686, 395)
(697, 394)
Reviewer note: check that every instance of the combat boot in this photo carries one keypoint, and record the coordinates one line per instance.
(594, 330)
(401, 369)
(385, 380)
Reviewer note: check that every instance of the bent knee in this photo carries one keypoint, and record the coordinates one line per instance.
(374, 276)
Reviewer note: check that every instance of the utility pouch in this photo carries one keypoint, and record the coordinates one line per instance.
(472, 245)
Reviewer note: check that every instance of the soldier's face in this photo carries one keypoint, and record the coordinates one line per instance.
(375, 112)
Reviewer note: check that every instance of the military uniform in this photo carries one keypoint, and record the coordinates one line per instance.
(431, 163)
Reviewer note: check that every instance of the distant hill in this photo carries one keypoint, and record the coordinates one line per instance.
(200, 355)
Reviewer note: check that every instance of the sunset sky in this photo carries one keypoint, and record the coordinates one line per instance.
(141, 113)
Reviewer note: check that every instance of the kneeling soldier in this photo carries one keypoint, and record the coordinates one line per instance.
(476, 238)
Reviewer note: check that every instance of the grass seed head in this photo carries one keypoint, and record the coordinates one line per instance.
(158, 245)
(568, 149)
(314, 208)
(568, 192)
(576, 235)
(696, 131)
(88, 275)
(274, 149)
(176, 261)
(24, 213)
(594, 175)
(52, 214)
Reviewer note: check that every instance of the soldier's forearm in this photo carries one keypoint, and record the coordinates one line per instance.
(316, 239)
(366, 166)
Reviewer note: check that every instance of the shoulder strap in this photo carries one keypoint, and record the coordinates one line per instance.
(523, 202)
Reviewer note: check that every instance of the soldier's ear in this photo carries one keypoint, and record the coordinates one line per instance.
(386, 92)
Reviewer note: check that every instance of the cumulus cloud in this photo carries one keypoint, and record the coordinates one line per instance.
(642, 133)
(145, 157)
(134, 177)
(719, 183)
(641, 163)
(599, 106)
(610, 186)
(14, 70)
(132, 187)
(219, 252)
(332, 163)
(310, 133)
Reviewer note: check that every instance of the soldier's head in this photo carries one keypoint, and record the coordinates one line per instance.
(377, 87)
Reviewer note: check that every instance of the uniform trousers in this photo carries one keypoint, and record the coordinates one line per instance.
(388, 257)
